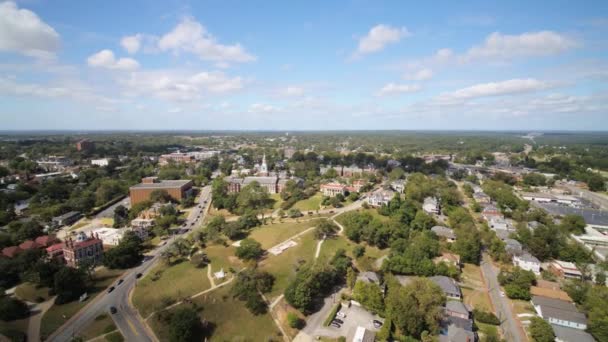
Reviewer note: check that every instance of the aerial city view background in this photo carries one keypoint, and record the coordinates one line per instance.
(303, 171)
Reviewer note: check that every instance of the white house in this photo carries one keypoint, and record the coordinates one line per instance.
(527, 262)
(100, 162)
(380, 197)
(431, 205)
(559, 312)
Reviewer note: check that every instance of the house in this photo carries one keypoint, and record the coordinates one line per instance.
(565, 269)
(563, 334)
(357, 185)
(100, 162)
(482, 198)
(380, 197)
(498, 223)
(528, 262)
(332, 189)
(55, 252)
(177, 189)
(456, 308)
(66, 219)
(513, 246)
(398, 185)
(11, 252)
(46, 240)
(431, 205)
(448, 286)
(109, 236)
(456, 329)
(29, 244)
(490, 211)
(559, 312)
(83, 248)
(369, 277)
(444, 232)
(364, 335)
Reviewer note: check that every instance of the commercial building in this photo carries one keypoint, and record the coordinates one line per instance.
(83, 248)
(85, 145)
(177, 189)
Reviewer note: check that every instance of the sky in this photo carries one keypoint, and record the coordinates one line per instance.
(303, 65)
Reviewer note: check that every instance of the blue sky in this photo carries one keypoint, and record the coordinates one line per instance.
(304, 65)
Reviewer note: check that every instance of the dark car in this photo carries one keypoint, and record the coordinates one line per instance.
(138, 275)
(337, 320)
(111, 289)
(113, 310)
(335, 325)
(120, 281)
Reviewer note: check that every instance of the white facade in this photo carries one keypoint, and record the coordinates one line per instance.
(430, 205)
(527, 262)
(110, 236)
(100, 162)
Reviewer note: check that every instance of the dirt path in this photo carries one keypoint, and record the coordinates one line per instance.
(33, 328)
(210, 275)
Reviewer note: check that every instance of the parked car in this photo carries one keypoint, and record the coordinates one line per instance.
(120, 282)
(113, 310)
(138, 275)
(502, 294)
(337, 320)
(335, 325)
(341, 315)
(377, 324)
(111, 289)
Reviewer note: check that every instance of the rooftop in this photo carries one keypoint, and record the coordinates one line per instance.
(162, 184)
(559, 309)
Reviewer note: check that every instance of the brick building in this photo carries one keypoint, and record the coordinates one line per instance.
(85, 145)
(177, 189)
(85, 247)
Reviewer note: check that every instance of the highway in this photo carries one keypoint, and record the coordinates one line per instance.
(127, 319)
(508, 325)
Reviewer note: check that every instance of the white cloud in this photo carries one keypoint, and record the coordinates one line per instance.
(181, 85)
(261, 108)
(190, 36)
(513, 86)
(500, 46)
(394, 89)
(379, 37)
(420, 75)
(106, 59)
(293, 91)
(132, 43)
(22, 31)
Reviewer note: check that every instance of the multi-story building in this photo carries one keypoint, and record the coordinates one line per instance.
(84, 247)
(332, 189)
(85, 145)
(176, 158)
(380, 197)
(177, 189)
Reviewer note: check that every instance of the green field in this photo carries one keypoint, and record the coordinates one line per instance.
(309, 204)
(103, 324)
(272, 234)
(31, 293)
(14, 328)
(175, 282)
(283, 266)
(59, 314)
(231, 320)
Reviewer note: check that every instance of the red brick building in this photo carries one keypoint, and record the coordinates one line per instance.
(85, 145)
(85, 247)
(177, 189)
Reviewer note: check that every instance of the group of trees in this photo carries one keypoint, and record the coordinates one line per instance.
(251, 198)
(234, 230)
(12, 308)
(294, 192)
(593, 299)
(249, 286)
(517, 282)
(128, 253)
(414, 256)
(468, 238)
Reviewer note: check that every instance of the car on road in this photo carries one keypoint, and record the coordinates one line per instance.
(377, 324)
(335, 325)
(120, 282)
(138, 275)
(337, 320)
(502, 294)
(111, 289)
(113, 310)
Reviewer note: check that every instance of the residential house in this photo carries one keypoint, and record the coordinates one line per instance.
(498, 223)
(445, 233)
(491, 211)
(448, 286)
(431, 205)
(563, 334)
(380, 197)
(456, 329)
(527, 262)
(559, 312)
(513, 246)
(482, 198)
(565, 269)
(398, 185)
(448, 258)
(369, 277)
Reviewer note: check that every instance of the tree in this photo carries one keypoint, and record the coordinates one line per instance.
(369, 295)
(185, 325)
(249, 249)
(12, 308)
(422, 221)
(324, 229)
(121, 216)
(358, 251)
(69, 284)
(294, 321)
(600, 278)
(160, 195)
(128, 253)
(540, 330)
(416, 307)
(249, 286)
(573, 224)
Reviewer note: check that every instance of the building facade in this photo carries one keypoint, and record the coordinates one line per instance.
(83, 248)
(177, 189)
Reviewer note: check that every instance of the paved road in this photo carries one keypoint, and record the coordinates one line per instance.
(127, 319)
(509, 327)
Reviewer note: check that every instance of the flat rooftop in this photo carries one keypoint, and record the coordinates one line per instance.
(162, 184)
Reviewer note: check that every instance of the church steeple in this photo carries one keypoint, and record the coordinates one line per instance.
(264, 167)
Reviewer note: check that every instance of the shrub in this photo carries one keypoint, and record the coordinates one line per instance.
(485, 317)
(295, 321)
(332, 314)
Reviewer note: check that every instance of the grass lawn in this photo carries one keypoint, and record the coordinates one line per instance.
(54, 317)
(175, 282)
(272, 234)
(223, 257)
(14, 328)
(487, 330)
(81, 223)
(283, 266)
(114, 337)
(522, 306)
(310, 204)
(107, 221)
(277, 201)
(230, 318)
(473, 288)
(31, 293)
(102, 324)
(331, 245)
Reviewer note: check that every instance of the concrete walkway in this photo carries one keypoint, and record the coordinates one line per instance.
(33, 328)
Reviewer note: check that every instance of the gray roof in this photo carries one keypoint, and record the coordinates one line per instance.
(528, 257)
(260, 179)
(369, 277)
(444, 232)
(162, 184)
(559, 309)
(571, 334)
(448, 285)
(457, 306)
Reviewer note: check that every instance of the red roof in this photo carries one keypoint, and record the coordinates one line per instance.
(54, 247)
(45, 240)
(29, 244)
(11, 251)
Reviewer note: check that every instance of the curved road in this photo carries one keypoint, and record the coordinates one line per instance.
(127, 319)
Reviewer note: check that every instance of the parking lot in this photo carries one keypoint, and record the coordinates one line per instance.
(355, 317)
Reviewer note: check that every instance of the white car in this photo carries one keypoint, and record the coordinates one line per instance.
(341, 315)
(502, 294)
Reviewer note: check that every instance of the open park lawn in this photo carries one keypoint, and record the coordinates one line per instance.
(222, 257)
(310, 204)
(230, 319)
(59, 314)
(31, 293)
(283, 266)
(270, 235)
(473, 288)
(168, 284)
(103, 324)
(14, 329)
